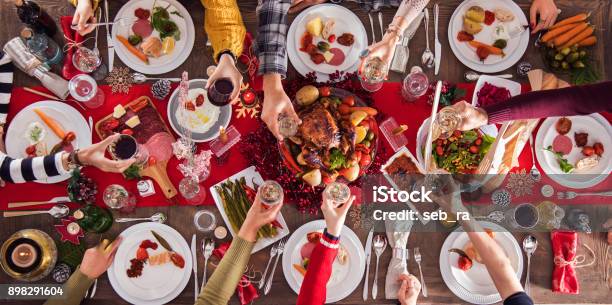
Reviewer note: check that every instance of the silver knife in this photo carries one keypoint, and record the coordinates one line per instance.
(437, 45)
(109, 40)
(368, 254)
(402, 52)
(194, 258)
(432, 118)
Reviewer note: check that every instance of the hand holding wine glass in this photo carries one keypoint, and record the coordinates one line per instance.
(94, 156)
(226, 69)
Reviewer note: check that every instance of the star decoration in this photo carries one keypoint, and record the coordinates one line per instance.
(520, 183)
(65, 235)
(120, 80)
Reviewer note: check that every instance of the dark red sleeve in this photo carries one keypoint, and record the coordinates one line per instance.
(577, 100)
(314, 286)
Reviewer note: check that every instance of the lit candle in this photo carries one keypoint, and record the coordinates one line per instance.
(248, 97)
(223, 135)
(24, 255)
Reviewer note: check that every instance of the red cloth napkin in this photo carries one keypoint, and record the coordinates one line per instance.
(249, 59)
(68, 70)
(564, 246)
(247, 293)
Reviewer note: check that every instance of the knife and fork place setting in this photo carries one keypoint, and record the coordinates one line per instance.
(208, 245)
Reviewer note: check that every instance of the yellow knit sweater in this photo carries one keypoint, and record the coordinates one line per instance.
(222, 23)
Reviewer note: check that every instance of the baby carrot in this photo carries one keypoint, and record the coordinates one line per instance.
(573, 19)
(133, 49)
(589, 41)
(369, 110)
(55, 126)
(300, 269)
(491, 49)
(582, 35)
(556, 32)
(565, 37)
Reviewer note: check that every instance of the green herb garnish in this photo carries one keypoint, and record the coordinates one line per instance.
(565, 166)
(336, 159)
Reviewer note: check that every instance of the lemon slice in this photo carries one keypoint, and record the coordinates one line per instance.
(168, 45)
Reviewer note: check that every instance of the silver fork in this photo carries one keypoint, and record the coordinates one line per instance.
(417, 259)
(207, 247)
(572, 195)
(379, 244)
(273, 252)
(93, 289)
(281, 248)
(372, 26)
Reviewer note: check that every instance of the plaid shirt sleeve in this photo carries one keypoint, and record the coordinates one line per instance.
(272, 36)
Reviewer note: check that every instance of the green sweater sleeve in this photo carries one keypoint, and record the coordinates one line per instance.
(74, 290)
(222, 284)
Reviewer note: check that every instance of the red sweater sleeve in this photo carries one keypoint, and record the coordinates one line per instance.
(577, 100)
(314, 286)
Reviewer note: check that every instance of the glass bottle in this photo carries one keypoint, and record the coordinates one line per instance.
(43, 47)
(34, 16)
(93, 218)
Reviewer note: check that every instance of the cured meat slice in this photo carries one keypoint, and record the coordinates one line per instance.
(160, 146)
(338, 58)
(562, 144)
(142, 28)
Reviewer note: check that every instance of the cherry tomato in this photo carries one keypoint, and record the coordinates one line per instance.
(599, 148)
(365, 160)
(127, 131)
(190, 106)
(474, 149)
(199, 100)
(152, 161)
(349, 100)
(478, 141)
(331, 38)
(30, 150)
(457, 133)
(325, 91)
(344, 109)
(588, 151)
(464, 263)
(439, 150)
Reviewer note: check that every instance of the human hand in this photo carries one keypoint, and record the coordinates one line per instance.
(548, 14)
(82, 15)
(448, 197)
(409, 290)
(383, 49)
(258, 216)
(94, 156)
(276, 102)
(299, 5)
(227, 69)
(97, 259)
(471, 117)
(335, 215)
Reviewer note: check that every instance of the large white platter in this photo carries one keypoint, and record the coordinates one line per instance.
(599, 130)
(344, 278)
(67, 116)
(157, 284)
(251, 175)
(164, 63)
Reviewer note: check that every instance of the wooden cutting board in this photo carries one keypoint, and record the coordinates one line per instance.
(157, 171)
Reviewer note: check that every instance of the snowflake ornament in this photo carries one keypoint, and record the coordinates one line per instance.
(520, 183)
(120, 80)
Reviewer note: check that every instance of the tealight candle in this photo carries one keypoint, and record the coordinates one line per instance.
(24, 255)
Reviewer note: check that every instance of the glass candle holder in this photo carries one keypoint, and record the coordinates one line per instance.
(84, 89)
(415, 84)
(192, 191)
(117, 197)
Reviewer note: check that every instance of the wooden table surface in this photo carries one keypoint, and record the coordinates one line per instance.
(591, 278)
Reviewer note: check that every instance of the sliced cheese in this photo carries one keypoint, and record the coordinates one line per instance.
(328, 56)
(535, 79)
(133, 121)
(118, 111)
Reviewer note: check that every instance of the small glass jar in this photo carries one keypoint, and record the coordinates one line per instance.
(205, 220)
(86, 60)
(338, 192)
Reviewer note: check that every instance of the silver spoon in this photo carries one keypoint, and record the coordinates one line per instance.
(428, 56)
(157, 217)
(471, 76)
(530, 243)
(534, 172)
(57, 211)
(140, 78)
(380, 243)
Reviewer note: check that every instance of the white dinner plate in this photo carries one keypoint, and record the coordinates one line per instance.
(467, 55)
(346, 22)
(221, 117)
(599, 130)
(165, 63)
(251, 175)
(67, 116)
(475, 285)
(157, 284)
(344, 278)
(490, 130)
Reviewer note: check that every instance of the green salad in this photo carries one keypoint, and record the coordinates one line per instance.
(461, 152)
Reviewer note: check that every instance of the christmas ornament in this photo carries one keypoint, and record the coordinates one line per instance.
(520, 183)
(120, 80)
(501, 198)
(523, 68)
(198, 166)
(448, 94)
(183, 148)
(547, 190)
(248, 103)
(81, 188)
(161, 89)
(70, 230)
(61, 273)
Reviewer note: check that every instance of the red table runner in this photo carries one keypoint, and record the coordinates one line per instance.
(388, 100)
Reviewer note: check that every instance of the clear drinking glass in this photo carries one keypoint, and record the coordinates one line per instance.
(287, 126)
(270, 193)
(374, 73)
(117, 197)
(524, 216)
(205, 220)
(192, 191)
(86, 60)
(84, 89)
(446, 122)
(415, 84)
(338, 192)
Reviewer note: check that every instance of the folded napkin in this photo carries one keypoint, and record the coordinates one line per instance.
(247, 293)
(397, 234)
(564, 246)
(68, 70)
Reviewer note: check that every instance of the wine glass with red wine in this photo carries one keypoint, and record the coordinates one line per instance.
(220, 92)
(126, 147)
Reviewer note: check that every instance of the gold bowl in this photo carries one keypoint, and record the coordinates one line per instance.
(48, 255)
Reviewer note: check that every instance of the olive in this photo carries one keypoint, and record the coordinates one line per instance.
(370, 136)
(583, 54)
(574, 48)
(366, 143)
(555, 64)
(559, 57)
(323, 46)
